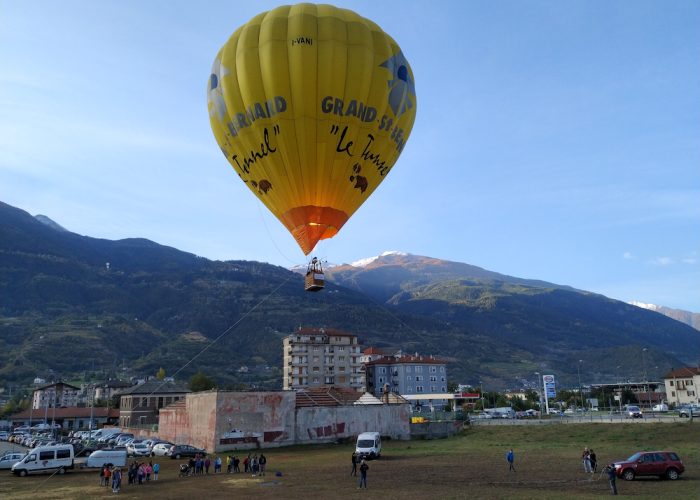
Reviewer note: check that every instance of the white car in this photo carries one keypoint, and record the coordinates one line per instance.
(138, 450)
(160, 449)
(660, 407)
(10, 459)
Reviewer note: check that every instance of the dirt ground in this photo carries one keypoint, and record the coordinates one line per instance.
(471, 465)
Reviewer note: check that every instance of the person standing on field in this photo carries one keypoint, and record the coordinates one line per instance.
(353, 472)
(594, 462)
(510, 457)
(586, 458)
(363, 474)
(612, 476)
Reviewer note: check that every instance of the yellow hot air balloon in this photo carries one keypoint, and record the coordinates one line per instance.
(312, 106)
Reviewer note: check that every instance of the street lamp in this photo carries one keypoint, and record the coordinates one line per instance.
(92, 408)
(644, 375)
(481, 384)
(580, 391)
(539, 393)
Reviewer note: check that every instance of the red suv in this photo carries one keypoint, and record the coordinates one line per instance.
(650, 463)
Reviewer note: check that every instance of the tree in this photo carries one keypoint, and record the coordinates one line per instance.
(200, 382)
(160, 375)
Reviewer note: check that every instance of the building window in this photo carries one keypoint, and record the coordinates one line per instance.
(432, 388)
(408, 368)
(671, 383)
(433, 369)
(442, 379)
(419, 388)
(673, 394)
(315, 369)
(419, 368)
(409, 378)
(433, 378)
(409, 389)
(442, 369)
(381, 380)
(341, 358)
(341, 348)
(382, 370)
(419, 378)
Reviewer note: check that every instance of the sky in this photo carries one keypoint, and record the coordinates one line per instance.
(554, 140)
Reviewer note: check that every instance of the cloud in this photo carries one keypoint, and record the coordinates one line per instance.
(691, 258)
(627, 256)
(662, 261)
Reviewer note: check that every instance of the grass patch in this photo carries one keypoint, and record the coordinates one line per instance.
(469, 465)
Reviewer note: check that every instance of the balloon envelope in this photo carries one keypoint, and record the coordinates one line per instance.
(312, 106)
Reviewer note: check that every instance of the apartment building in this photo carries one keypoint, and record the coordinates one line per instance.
(318, 357)
(57, 395)
(682, 385)
(420, 379)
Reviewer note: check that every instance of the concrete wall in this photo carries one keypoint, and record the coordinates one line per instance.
(436, 430)
(327, 424)
(265, 419)
(220, 421)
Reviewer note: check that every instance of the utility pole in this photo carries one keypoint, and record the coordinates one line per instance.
(644, 374)
(580, 391)
(92, 408)
(537, 387)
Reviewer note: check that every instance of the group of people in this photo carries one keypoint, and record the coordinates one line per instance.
(199, 464)
(142, 471)
(590, 466)
(137, 473)
(590, 462)
(111, 473)
(255, 465)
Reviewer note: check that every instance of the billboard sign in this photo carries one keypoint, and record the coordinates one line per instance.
(549, 388)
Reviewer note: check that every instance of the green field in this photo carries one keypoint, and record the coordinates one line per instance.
(471, 465)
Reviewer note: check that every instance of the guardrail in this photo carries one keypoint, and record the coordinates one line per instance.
(591, 417)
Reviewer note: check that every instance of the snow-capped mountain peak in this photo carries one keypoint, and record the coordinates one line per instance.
(651, 307)
(367, 261)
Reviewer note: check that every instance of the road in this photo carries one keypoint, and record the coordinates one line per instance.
(592, 417)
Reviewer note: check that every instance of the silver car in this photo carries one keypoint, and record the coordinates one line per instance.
(10, 459)
(160, 449)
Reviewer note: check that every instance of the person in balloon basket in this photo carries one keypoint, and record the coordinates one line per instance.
(363, 474)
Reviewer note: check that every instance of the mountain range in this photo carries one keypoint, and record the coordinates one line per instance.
(79, 308)
(687, 317)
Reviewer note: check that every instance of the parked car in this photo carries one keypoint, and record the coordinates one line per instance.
(660, 407)
(686, 411)
(183, 450)
(124, 438)
(4, 435)
(10, 459)
(650, 463)
(138, 450)
(160, 449)
(633, 412)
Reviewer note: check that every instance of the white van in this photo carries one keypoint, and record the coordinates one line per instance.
(369, 445)
(105, 433)
(57, 457)
(100, 457)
